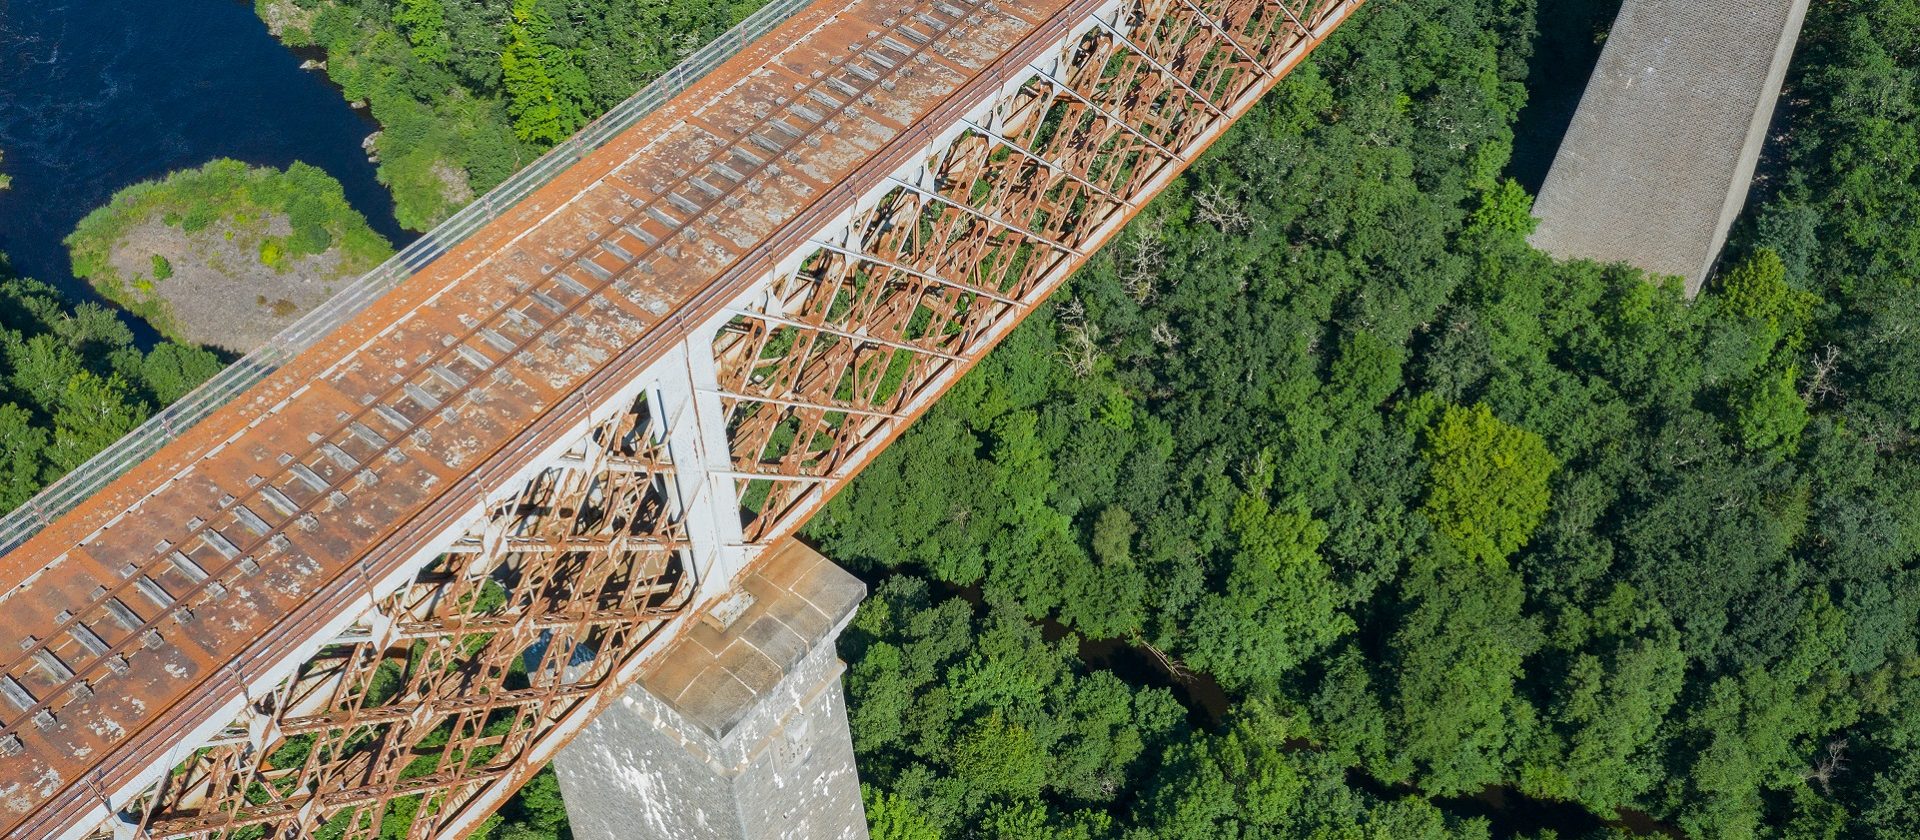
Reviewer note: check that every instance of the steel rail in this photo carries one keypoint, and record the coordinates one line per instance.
(550, 426)
(166, 424)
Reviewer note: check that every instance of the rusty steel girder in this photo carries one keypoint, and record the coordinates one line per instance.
(887, 310)
(391, 580)
(449, 682)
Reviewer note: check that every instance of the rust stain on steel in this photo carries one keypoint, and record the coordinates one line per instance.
(457, 677)
(940, 270)
(145, 610)
(173, 642)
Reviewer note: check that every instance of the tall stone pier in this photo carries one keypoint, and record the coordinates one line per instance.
(404, 557)
(738, 731)
(1656, 165)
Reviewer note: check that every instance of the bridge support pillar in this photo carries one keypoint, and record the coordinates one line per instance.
(736, 731)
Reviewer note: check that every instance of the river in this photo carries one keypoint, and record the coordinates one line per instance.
(99, 94)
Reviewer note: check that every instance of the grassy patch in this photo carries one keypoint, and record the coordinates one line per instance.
(241, 203)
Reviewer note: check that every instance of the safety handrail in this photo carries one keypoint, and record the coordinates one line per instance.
(166, 424)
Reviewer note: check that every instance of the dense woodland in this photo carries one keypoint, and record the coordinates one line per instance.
(1438, 514)
(73, 381)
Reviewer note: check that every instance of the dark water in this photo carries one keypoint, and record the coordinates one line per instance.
(1512, 814)
(99, 94)
(1206, 702)
(1200, 694)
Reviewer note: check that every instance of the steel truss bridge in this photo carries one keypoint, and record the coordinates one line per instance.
(390, 564)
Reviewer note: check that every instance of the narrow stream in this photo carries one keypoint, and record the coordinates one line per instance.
(1507, 810)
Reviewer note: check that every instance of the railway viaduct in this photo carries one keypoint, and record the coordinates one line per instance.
(526, 492)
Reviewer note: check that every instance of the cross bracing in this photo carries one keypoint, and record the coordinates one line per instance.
(397, 574)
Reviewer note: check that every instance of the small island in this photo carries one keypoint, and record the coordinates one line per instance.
(225, 255)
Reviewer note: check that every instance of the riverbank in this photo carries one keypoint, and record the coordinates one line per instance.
(225, 255)
(454, 120)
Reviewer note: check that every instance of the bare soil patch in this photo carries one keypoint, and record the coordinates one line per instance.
(453, 183)
(220, 293)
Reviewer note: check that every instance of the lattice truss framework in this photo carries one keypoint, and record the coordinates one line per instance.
(837, 356)
(448, 694)
(453, 681)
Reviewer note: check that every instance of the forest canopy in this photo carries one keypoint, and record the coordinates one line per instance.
(1437, 514)
(1440, 514)
(73, 381)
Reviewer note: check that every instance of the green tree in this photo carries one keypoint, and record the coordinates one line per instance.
(542, 82)
(1001, 758)
(1106, 596)
(40, 368)
(1280, 605)
(1768, 410)
(93, 412)
(1456, 660)
(1112, 539)
(1770, 413)
(71, 381)
(425, 24)
(170, 370)
(894, 817)
(22, 456)
(1506, 210)
(1243, 783)
(1750, 732)
(1756, 288)
(536, 812)
(1487, 482)
(1239, 778)
(1598, 743)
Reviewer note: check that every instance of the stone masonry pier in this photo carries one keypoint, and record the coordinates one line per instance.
(1656, 165)
(736, 732)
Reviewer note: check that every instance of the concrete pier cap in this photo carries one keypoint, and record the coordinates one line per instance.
(738, 729)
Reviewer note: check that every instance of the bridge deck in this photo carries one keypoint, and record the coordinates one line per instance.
(130, 620)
